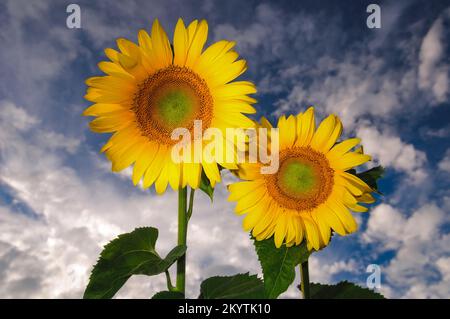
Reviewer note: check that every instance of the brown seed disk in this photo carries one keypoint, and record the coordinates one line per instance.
(171, 78)
(318, 194)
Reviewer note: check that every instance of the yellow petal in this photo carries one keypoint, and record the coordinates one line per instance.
(129, 156)
(343, 147)
(332, 220)
(249, 171)
(241, 189)
(280, 230)
(194, 174)
(163, 179)
(175, 174)
(234, 90)
(312, 233)
(145, 42)
(265, 123)
(180, 43)
(264, 222)
(208, 61)
(255, 214)
(115, 70)
(348, 185)
(299, 231)
(324, 228)
(366, 198)
(288, 131)
(306, 126)
(112, 54)
(155, 167)
(356, 181)
(349, 160)
(212, 172)
(111, 123)
(344, 215)
(234, 106)
(148, 154)
(101, 108)
(290, 230)
(197, 41)
(250, 200)
(161, 50)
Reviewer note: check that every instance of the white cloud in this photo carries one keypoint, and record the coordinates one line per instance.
(78, 214)
(81, 207)
(321, 271)
(433, 69)
(390, 151)
(16, 116)
(418, 269)
(354, 87)
(385, 225)
(444, 164)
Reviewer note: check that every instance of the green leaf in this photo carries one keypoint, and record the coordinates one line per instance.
(371, 176)
(168, 295)
(278, 264)
(130, 254)
(343, 290)
(240, 286)
(205, 186)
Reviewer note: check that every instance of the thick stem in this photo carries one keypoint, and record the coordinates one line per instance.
(304, 274)
(182, 236)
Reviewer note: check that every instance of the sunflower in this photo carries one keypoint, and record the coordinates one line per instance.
(312, 192)
(152, 87)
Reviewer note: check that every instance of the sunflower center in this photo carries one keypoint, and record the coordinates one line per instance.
(171, 98)
(304, 180)
(297, 178)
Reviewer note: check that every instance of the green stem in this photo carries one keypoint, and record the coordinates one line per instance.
(191, 204)
(169, 281)
(182, 236)
(304, 273)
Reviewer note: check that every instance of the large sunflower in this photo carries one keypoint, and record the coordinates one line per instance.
(151, 88)
(312, 193)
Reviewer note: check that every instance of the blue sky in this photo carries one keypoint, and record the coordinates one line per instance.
(59, 202)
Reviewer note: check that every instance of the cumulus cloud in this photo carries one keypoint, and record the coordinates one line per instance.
(76, 215)
(419, 268)
(434, 69)
(389, 150)
(444, 163)
(74, 205)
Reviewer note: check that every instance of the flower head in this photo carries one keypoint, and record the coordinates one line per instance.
(312, 193)
(152, 88)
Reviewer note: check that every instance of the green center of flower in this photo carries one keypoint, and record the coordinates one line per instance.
(297, 178)
(172, 98)
(304, 180)
(176, 108)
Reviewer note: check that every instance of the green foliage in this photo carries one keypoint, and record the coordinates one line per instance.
(278, 265)
(130, 254)
(206, 187)
(371, 176)
(240, 286)
(342, 290)
(168, 295)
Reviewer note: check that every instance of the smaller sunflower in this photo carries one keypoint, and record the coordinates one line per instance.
(312, 193)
